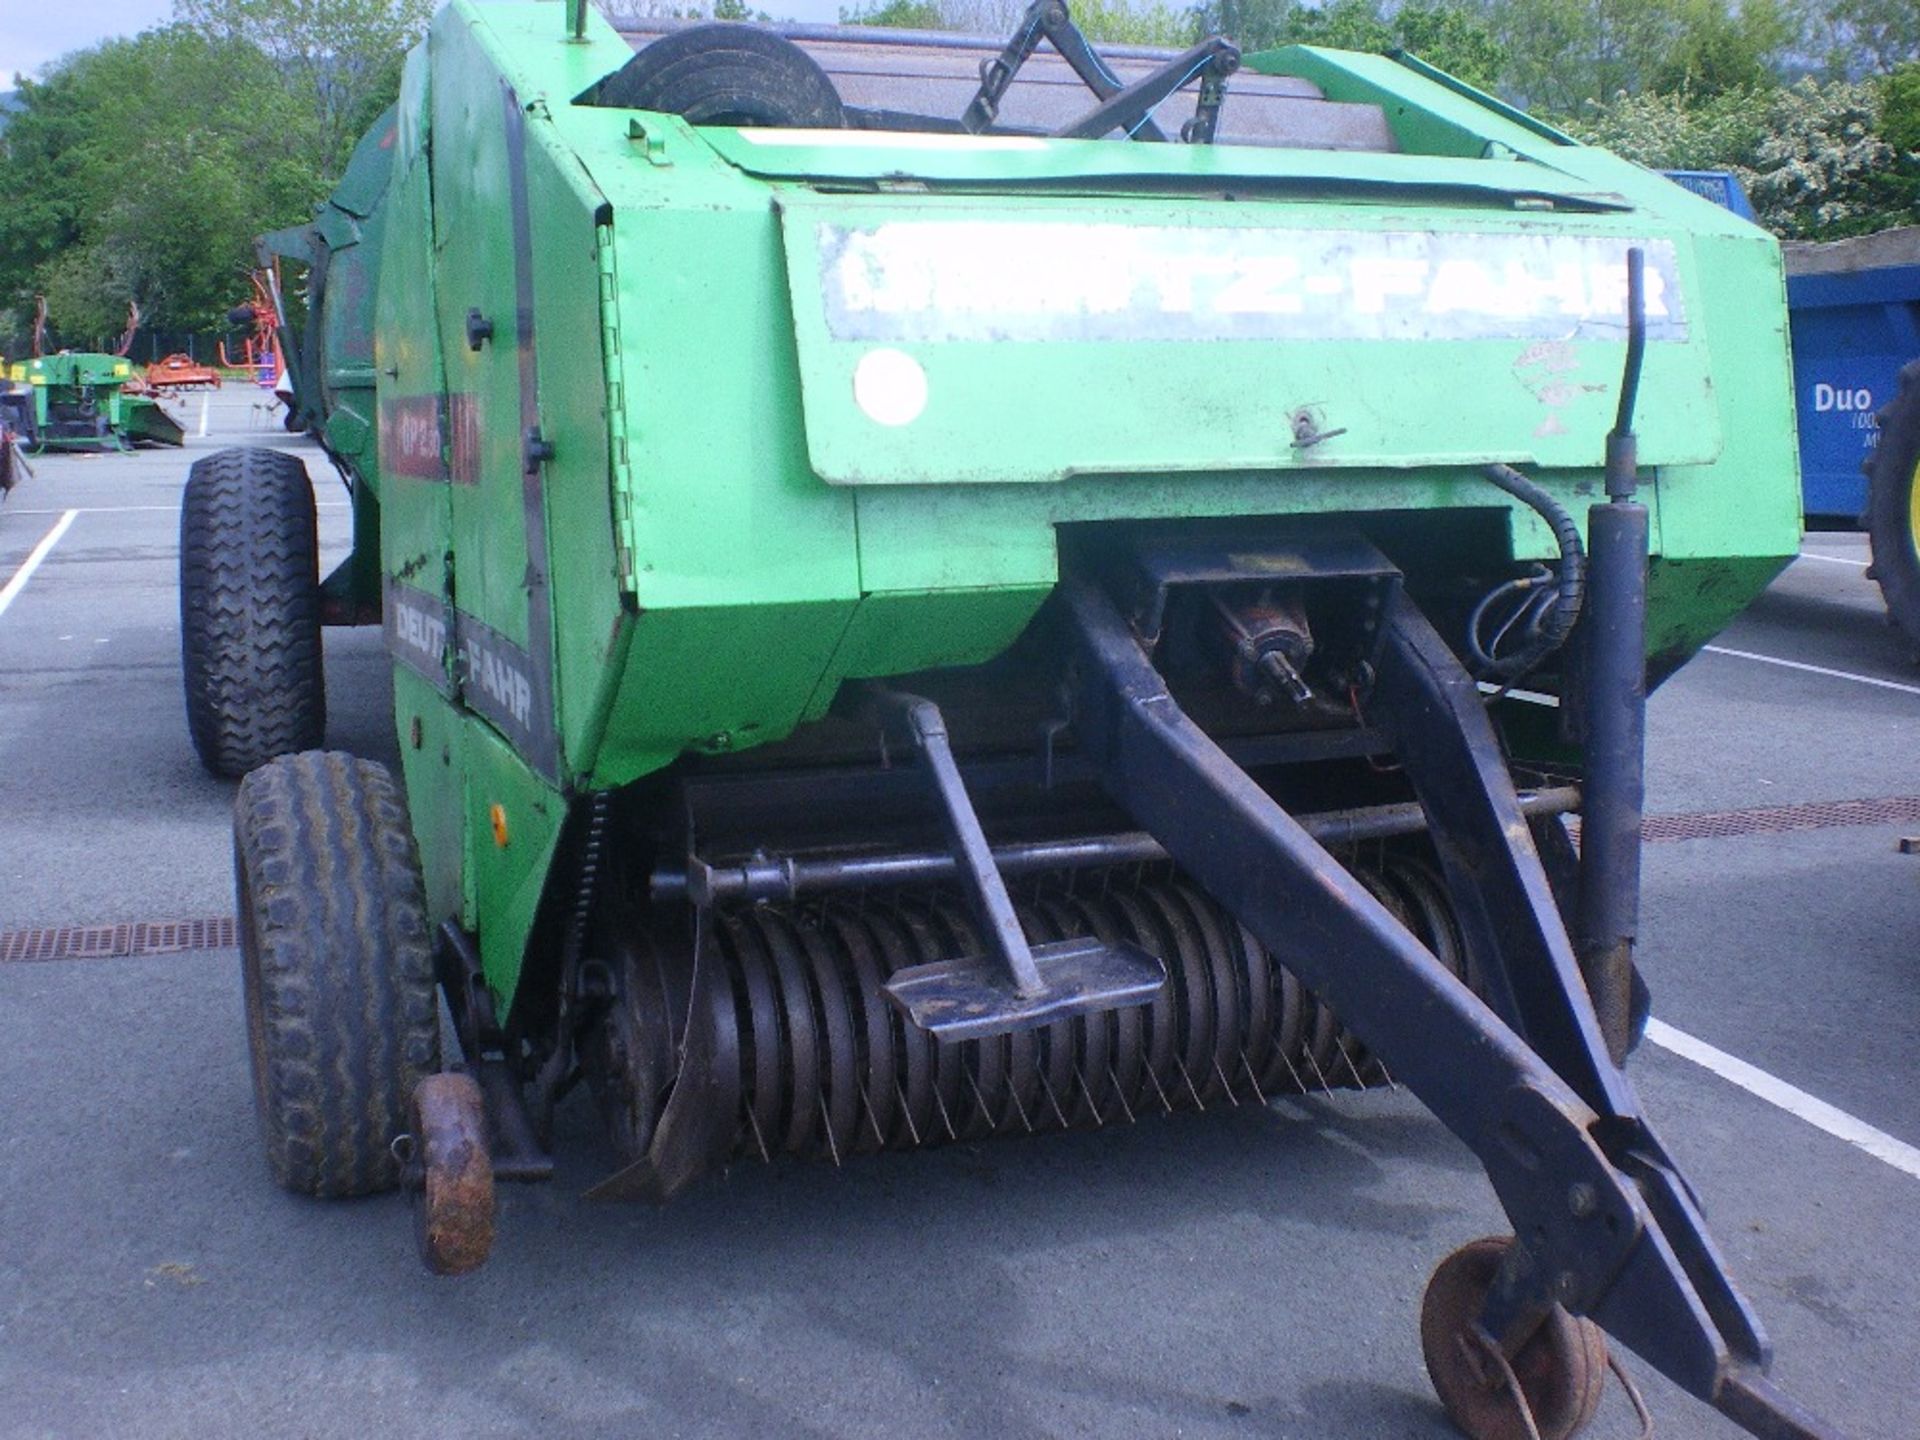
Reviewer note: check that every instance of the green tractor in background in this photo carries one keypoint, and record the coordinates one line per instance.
(81, 399)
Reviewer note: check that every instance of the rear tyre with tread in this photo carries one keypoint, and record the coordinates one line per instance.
(343, 1016)
(1893, 505)
(250, 650)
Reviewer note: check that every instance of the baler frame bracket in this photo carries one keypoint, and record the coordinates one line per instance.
(1127, 106)
(516, 1149)
(1604, 1224)
(1014, 984)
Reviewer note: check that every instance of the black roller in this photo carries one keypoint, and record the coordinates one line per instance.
(952, 1104)
(1159, 1027)
(824, 1065)
(1225, 974)
(727, 75)
(1100, 1035)
(753, 984)
(878, 1046)
(1259, 1017)
(1187, 963)
(802, 1079)
(915, 1058)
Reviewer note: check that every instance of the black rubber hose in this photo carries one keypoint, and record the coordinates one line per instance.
(1568, 585)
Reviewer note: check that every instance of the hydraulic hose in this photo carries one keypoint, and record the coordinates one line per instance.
(1548, 605)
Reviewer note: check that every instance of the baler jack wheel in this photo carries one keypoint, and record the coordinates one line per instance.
(1548, 1390)
(447, 1172)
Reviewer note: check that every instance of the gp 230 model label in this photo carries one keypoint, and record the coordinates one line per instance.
(960, 280)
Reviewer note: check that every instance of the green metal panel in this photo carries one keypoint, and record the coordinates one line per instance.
(1691, 601)
(1749, 502)
(411, 471)
(726, 508)
(1001, 161)
(409, 467)
(889, 630)
(509, 853)
(474, 258)
(1004, 535)
(433, 760)
(934, 284)
(1425, 116)
(716, 679)
(574, 405)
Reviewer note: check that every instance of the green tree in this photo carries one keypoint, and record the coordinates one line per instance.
(897, 15)
(342, 56)
(1455, 37)
(1452, 34)
(1822, 168)
(1900, 127)
(1673, 132)
(1136, 22)
(142, 169)
(1900, 110)
(1716, 50)
(1563, 54)
(1872, 36)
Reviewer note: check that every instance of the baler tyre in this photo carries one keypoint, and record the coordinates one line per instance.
(727, 75)
(250, 651)
(343, 1017)
(1893, 505)
(1561, 1370)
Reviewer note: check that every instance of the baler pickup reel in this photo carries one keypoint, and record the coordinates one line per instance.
(1016, 986)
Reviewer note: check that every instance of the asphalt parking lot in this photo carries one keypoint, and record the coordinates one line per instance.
(1250, 1273)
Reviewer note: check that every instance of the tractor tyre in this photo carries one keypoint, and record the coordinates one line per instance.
(336, 959)
(727, 75)
(1893, 505)
(250, 610)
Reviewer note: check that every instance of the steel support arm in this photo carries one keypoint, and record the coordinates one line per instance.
(1603, 1224)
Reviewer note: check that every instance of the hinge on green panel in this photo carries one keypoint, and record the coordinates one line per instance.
(620, 467)
(653, 148)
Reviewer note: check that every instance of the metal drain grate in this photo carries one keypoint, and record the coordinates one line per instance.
(114, 942)
(1778, 819)
(173, 937)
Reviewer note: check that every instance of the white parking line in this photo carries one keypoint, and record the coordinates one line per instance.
(1833, 559)
(89, 510)
(32, 562)
(130, 509)
(1790, 1098)
(1812, 669)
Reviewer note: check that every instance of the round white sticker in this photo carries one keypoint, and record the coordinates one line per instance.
(890, 387)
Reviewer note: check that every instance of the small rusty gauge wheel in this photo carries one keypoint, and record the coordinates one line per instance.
(449, 1174)
(1560, 1371)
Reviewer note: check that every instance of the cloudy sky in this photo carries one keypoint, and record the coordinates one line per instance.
(33, 32)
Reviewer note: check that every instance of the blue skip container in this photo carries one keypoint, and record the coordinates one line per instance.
(1854, 309)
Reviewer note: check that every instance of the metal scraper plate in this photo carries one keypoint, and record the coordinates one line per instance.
(967, 998)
